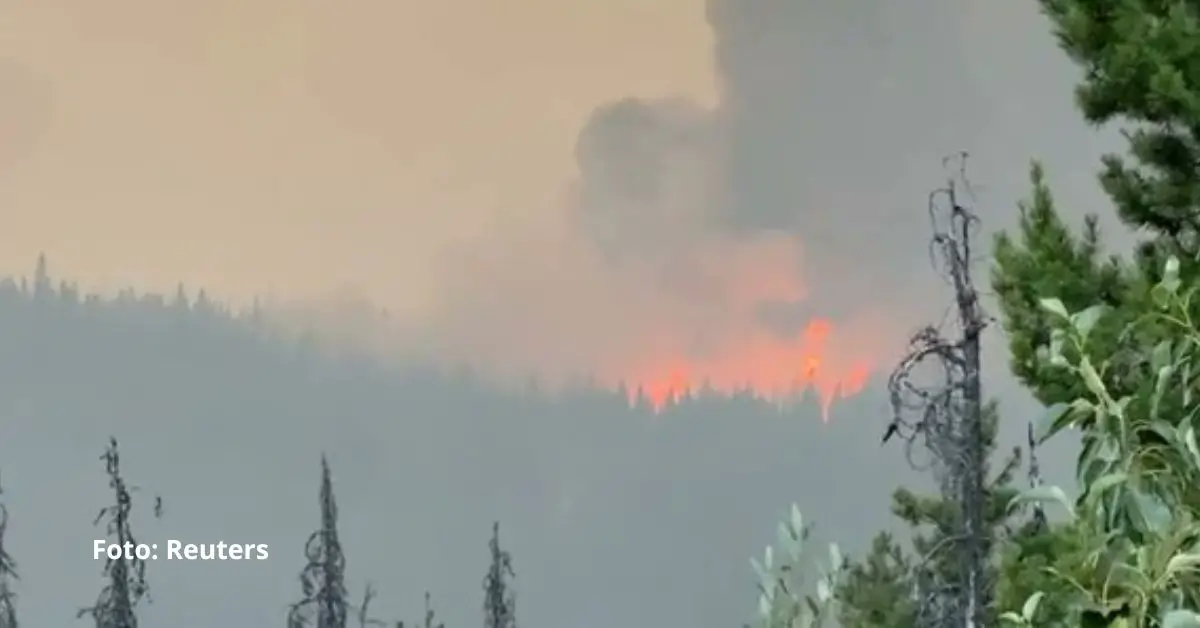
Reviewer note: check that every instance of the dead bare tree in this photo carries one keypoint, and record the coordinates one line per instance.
(8, 573)
(366, 621)
(429, 620)
(944, 416)
(126, 574)
(499, 602)
(322, 580)
(364, 613)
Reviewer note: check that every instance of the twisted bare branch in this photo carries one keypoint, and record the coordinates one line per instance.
(937, 409)
(322, 581)
(116, 605)
(8, 573)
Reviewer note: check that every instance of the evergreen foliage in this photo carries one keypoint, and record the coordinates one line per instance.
(1139, 60)
(879, 590)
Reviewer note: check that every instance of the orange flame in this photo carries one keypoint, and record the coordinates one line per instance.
(770, 367)
(831, 360)
(700, 311)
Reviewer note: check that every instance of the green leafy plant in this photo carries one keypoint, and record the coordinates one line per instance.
(1137, 518)
(782, 601)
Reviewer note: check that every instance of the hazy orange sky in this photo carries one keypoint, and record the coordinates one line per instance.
(675, 189)
(294, 147)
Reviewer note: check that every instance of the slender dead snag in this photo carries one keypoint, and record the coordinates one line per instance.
(8, 573)
(364, 614)
(946, 417)
(429, 620)
(499, 601)
(126, 574)
(322, 580)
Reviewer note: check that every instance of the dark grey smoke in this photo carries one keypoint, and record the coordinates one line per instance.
(634, 156)
(832, 123)
(825, 114)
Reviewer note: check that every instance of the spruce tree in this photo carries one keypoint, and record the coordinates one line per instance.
(1139, 62)
(322, 581)
(499, 599)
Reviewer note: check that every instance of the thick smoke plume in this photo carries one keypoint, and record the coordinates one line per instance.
(740, 246)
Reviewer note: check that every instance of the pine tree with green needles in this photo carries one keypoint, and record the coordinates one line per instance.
(1140, 62)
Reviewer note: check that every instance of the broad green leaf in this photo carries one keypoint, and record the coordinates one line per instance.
(824, 591)
(1044, 494)
(1054, 418)
(1186, 378)
(1056, 307)
(1106, 482)
(1031, 605)
(1058, 338)
(1189, 439)
(1084, 321)
(1156, 515)
(1128, 576)
(1183, 562)
(1160, 356)
(1160, 387)
(1170, 280)
(1161, 296)
(797, 521)
(1091, 378)
(1056, 356)
(836, 560)
(1171, 268)
(764, 607)
(764, 575)
(1181, 619)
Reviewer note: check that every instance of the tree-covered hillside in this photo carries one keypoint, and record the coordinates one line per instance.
(615, 515)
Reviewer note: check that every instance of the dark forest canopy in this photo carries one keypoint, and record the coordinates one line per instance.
(223, 414)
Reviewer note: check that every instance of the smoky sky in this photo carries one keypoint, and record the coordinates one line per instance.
(799, 194)
(620, 189)
(620, 184)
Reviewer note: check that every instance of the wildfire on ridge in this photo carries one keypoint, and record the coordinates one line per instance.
(765, 366)
(693, 310)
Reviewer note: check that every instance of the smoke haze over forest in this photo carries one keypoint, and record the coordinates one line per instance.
(620, 191)
(661, 193)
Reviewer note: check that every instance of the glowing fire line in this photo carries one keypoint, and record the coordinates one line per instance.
(769, 368)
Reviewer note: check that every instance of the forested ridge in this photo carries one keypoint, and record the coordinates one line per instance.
(201, 395)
